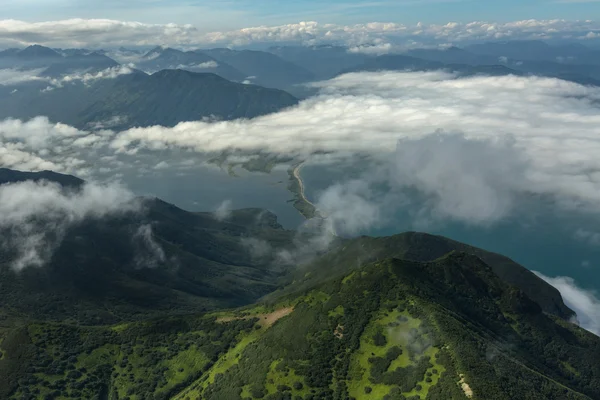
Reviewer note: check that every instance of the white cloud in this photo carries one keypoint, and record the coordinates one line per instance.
(38, 132)
(350, 207)
(97, 33)
(39, 144)
(13, 156)
(550, 127)
(223, 211)
(149, 252)
(16, 76)
(162, 165)
(35, 216)
(204, 65)
(89, 77)
(437, 177)
(374, 49)
(584, 302)
(467, 180)
(493, 138)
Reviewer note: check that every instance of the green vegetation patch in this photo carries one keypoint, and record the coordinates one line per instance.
(284, 379)
(396, 353)
(265, 317)
(337, 312)
(348, 278)
(316, 297)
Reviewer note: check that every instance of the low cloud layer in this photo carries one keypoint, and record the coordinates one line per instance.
(584, 302)
(39, 144)
(89, 77)
(11, 76)
(439, 177)
(96, 33)
(34, 216)
(540, 134)
(470, 145)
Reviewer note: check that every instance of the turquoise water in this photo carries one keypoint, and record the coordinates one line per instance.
(537, 235)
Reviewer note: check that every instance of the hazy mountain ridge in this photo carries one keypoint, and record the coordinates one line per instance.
(141, 100)
(54, 63)
(161, 58)
(264, 68)
(164, 98)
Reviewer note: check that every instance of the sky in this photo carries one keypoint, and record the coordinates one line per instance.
(245, 23)
(210, 15)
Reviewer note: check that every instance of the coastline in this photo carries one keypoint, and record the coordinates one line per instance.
(296, 186)
(296, 172)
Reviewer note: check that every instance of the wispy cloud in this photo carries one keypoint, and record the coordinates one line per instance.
(223, 211)
(10, 76)
(584, 302)
(34, 216)
(97, 33)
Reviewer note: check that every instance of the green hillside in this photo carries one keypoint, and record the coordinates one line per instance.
(446, 329)
(423, 247)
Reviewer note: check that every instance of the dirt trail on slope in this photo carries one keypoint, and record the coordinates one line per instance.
(265, 320)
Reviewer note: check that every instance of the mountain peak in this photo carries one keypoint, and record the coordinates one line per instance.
(38, 51)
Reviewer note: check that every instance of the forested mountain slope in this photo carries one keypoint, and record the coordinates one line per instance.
(393, 329)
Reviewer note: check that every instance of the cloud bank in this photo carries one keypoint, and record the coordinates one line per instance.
(96, 33)
(584, 302)
(34, 216)
(541, 135)
(11, 76)
(470, 145)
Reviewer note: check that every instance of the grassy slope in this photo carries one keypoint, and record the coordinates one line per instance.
(392, 330)
(421, 247)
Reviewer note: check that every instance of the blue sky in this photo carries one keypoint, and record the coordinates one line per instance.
(231, 14)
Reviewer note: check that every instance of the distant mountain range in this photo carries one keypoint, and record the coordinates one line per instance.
(164, 98)
(167, 58)
(55, 64)
(83, 87)
(404, 317)
(263, 68)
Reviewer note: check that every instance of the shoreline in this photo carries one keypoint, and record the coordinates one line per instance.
(296, 186)
(296, 172)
